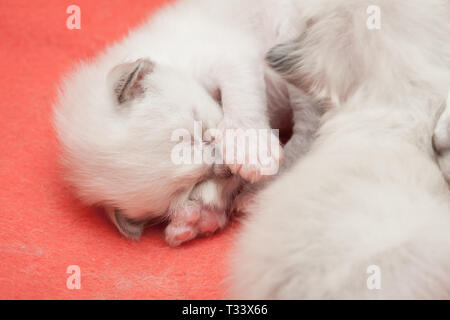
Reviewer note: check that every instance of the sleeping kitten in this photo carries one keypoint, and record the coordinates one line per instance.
(197, 60)
(369, 194)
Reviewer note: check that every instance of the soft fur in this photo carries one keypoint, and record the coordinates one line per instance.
(369, 192)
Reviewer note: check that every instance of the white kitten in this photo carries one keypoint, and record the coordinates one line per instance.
(115, 116)
(369, 192)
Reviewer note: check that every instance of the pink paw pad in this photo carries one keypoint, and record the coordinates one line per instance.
(250, 173)
(189, 224)
(184, 236)
(211, 221)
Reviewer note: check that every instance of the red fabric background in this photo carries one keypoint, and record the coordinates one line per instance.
(43, 228)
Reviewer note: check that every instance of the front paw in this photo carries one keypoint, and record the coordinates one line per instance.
(251, 153)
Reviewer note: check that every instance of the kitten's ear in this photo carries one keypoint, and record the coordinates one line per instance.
(126, 79)
(127, 227)
(284, 58)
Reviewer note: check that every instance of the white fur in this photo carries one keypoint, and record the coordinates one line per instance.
(369, 192)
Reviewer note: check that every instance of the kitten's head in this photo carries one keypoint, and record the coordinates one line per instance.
(116, 127)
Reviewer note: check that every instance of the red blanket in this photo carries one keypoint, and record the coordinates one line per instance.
(43, 227)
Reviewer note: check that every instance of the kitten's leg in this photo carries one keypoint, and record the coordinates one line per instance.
(243, 95)
(204, 213)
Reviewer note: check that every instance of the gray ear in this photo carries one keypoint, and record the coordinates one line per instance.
(284, 58)
(127, 79)
(127, 227)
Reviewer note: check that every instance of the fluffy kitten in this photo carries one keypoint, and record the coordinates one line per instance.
(369, 192)
(197, 60)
